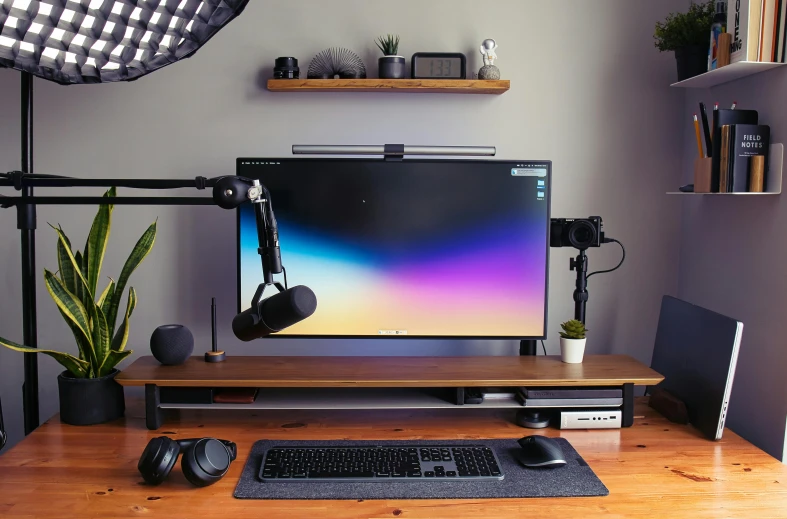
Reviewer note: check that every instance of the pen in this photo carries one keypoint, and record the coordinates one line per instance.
(715, 113)
(699, 139)
(705, 129)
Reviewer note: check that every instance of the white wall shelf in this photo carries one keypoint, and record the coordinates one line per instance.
(773, 182)
(726, 74)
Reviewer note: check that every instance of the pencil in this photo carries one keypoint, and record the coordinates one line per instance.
(734, 104)
(699, 138)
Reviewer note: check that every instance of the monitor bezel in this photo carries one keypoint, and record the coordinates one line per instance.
(513, 163)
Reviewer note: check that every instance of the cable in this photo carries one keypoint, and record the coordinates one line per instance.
(623, 249)
(545, 348)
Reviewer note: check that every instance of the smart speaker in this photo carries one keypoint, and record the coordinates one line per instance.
(172, 344)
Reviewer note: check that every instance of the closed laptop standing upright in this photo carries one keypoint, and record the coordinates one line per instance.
(696, 350)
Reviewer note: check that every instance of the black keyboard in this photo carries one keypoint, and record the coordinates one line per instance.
(410, 463)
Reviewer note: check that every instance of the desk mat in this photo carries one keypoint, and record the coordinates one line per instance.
(573, 480)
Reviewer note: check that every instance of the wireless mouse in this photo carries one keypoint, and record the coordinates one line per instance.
(540, 452)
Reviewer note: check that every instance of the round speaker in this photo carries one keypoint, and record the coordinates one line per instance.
(172, 344)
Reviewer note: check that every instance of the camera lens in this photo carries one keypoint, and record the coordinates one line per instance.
(581, 234)
(286, 68)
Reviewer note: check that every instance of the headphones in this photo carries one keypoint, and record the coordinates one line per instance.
(204, 462)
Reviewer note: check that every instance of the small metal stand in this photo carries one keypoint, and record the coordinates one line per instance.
(214, 355)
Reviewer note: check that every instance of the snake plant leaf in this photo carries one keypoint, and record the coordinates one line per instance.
(64, 266)
(101, 337)
(112, 360)
(106, 296)
(140, 251)
(75, 366)
(121, 337)
(78, 289)
(86, 351)
(87, 300)
(96, 245)
(68, 303)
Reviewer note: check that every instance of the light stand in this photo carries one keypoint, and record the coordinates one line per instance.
(580, 264)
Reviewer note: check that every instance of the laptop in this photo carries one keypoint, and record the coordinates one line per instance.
(696, 351)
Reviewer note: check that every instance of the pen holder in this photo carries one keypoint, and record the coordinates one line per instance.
(702, 169)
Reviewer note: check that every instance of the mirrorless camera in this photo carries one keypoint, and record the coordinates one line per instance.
(580, 233)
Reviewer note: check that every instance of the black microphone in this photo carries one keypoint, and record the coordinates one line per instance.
(275, 313)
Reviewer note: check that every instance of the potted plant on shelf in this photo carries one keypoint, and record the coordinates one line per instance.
(572, 341)
(391, 65)
(688, 34)
(88, 391)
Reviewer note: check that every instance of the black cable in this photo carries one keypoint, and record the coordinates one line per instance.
(622, 248)
(545, 348)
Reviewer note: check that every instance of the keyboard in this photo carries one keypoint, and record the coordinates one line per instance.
(370, 464)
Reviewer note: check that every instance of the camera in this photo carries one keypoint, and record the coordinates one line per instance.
(580, 233)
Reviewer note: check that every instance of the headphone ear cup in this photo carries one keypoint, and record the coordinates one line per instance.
(158, 459)
(205, 462)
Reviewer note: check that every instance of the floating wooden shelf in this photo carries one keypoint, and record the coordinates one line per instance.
(414, 86)
(726, 74)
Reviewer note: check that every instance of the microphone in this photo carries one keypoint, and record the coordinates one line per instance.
(275, 313)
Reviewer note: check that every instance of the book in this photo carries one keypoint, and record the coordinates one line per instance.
(768, 28)
(724, 164)
(743, 22)
(747, 141)
(726, 117)
(574, 392)
(757, 174)
(780, 31)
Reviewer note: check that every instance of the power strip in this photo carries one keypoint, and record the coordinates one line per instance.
(591, 419)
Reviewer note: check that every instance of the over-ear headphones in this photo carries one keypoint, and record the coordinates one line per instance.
(205, 460)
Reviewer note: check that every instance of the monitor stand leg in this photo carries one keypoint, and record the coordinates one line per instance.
(527, 348)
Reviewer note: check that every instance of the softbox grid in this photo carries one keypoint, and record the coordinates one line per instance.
(102, 41)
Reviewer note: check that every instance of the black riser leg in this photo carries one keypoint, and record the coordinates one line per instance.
(154, 416)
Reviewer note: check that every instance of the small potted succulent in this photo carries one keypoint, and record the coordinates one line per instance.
(688, 35)
(87, 388)
(572, 341)
(391, 65)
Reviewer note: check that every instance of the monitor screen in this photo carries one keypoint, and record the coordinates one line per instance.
(416, 248)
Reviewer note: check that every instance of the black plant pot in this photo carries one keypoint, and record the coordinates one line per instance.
(392, 67)
(90, 401)
(692, 61)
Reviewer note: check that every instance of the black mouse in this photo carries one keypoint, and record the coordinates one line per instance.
(541, 452)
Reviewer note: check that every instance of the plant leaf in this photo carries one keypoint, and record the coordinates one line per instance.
(96, 245)
(75, 366)
(73, 262)
(78, 289)
(85, 349)
(112, 360)
(140, 251)
(121, 337)
(101, 337)
(106, 296)
(68, 303)
(64, 265)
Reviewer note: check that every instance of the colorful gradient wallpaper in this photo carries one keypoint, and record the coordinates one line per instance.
(415, 248)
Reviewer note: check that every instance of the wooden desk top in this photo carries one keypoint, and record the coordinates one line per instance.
(654, 469)
(596, 370)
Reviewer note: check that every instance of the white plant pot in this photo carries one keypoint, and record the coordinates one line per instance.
(572, 350)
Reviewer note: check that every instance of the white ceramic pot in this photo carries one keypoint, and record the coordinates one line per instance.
(572, 350)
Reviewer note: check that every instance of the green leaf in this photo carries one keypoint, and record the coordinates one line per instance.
(106, 296)
(75, 266)
(64, 265)
(78, 289)
(112, 360)
(75, 366)
(68, 304)
(140, 251)
(121, 337)
(85, 349)
(96, 245)
(101, 337)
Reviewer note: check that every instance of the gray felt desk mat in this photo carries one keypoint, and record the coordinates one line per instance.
(573, 480)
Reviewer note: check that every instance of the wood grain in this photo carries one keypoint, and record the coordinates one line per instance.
(654, 469)
(596, 370)
(415, 86)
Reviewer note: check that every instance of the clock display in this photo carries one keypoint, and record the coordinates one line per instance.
(438, 65)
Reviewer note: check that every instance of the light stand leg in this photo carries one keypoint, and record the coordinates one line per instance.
(26, 223)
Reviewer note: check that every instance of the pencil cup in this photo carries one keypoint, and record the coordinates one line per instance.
(702, 168)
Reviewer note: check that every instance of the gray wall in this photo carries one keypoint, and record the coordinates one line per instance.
(589, 91)
(732, 261)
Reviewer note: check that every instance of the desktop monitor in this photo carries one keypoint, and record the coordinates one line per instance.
(413, 249)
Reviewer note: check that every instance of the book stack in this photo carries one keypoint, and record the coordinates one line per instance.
(758, 29)
(744, 157)
(560, 397)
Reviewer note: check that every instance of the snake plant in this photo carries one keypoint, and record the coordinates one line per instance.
(74, 290)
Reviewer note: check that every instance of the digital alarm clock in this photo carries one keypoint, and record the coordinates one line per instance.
(439, 65)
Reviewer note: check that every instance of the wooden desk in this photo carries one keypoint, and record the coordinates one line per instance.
(654, 469)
